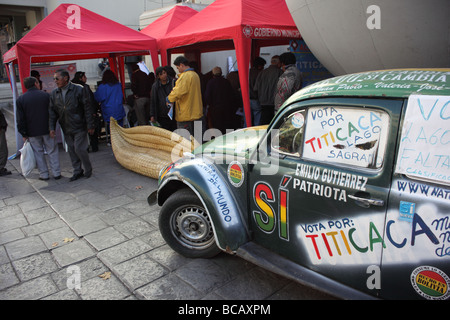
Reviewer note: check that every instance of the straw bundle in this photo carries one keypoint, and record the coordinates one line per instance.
(146, 149)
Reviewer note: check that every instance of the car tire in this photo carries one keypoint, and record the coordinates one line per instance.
(186, 226)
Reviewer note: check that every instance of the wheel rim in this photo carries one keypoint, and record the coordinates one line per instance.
(192, 227)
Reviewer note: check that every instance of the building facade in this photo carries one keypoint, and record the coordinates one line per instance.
(17, 17)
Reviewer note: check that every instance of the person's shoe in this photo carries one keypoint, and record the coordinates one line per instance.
(77, 176)
(88, 174)
(58, 177)
(43, 179)
(4, 172)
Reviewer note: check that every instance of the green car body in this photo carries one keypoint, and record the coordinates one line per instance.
(345, 190)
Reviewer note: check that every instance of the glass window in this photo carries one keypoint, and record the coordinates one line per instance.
(350, 136)
(288, 138)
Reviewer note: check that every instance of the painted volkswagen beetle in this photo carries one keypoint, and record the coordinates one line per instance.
(347, 189)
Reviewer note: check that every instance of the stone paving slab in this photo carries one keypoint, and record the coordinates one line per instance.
(73, 253)
(30, 290)
(105, 238)
(34, 266)
(25, 247)
(139, 271)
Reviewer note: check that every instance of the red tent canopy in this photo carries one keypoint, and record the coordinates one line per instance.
(243, 25)
(168, 21)
(72, 32)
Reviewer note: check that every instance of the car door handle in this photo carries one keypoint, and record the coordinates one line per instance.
(367, 202)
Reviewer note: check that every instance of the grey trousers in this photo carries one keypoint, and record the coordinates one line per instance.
(142, 109)
(51, 147)
(77, 146)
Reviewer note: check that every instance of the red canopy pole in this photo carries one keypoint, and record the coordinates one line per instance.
(155, 59)
(122, 74)
(113, 64)
(243, 48)
(24, 64)
(164, 56)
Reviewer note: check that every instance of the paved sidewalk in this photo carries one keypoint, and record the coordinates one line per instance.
(98, 238)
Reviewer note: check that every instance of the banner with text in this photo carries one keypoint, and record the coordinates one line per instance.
(425, 143)
(312, 70)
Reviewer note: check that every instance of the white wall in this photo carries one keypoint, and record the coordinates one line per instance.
(220, 58)
(123, 12)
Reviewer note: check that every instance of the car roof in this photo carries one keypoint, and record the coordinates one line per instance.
(393, 83)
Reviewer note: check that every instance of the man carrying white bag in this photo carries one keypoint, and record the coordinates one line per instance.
(33, 125)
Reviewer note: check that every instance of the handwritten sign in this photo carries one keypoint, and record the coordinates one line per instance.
(425, 142)
(346, 135)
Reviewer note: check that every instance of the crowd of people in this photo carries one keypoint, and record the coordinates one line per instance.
(270, 87)
(159, 98)
(215, 100)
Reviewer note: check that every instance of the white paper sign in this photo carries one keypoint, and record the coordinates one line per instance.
(425, 142)
(353, 136)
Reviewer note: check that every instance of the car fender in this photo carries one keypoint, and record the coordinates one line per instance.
(202, 177)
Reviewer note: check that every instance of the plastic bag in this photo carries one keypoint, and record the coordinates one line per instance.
(27, 160)
(170, 113)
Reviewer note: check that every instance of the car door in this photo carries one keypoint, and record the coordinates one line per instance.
(417, 259)
(320, 186)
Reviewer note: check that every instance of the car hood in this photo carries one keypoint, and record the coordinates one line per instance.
(236, 143)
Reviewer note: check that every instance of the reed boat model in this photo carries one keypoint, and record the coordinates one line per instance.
(147, 149)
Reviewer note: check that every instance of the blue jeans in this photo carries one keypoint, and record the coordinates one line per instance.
(256, 112)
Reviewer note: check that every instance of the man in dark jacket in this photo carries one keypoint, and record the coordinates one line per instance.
(141, 85)
(257, 67)
(160, 90)
(265, 85)
(32, 123)
(222, 102)
(70, 104)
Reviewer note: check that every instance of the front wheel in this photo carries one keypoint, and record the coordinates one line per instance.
(186, 226)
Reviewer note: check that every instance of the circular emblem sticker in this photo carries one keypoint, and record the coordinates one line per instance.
(431, 283)
(298, 120)
(235, 173)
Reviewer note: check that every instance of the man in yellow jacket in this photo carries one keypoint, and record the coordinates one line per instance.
(187, 96)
